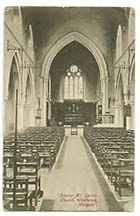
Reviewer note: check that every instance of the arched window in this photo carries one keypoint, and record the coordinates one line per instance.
(73, 83)
(119, 43)
(131, 27)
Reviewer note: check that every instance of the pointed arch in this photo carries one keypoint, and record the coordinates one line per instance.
(118, 84)
(95, 51)
(29, 118)
(82, 39)
(119, 102)
(17, 59)
(28, 90)
(30, 80)
(13, 83)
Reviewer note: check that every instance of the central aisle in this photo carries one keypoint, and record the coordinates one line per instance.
(72, 185)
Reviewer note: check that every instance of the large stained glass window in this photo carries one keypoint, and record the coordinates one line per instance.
(73, 83)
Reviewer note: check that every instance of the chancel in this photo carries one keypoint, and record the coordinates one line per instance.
(68, 109)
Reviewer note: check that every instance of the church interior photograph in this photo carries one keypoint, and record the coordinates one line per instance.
(68, 109)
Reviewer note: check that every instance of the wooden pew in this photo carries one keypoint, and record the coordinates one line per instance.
(110, 146)
(31, 141)
(30, 171)
(45, 157)
(124, 173)
(22, 198)
(8, 158)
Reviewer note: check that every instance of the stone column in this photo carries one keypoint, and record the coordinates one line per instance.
(29, 115)
(118, 115)
(49, 96)
(104, 92)
(133, 116)
(43, 103)
(9, 115)
(49, 110)
(103, 95)
(104, 83)
(5, 120)
(20, 116)
(131, 120)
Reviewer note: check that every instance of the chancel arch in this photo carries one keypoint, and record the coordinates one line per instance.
(74, 85)
(94, 50)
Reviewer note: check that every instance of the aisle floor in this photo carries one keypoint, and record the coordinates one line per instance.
(72, 185)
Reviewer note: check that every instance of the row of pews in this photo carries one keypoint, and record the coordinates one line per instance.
(37, 147)
(114, 150)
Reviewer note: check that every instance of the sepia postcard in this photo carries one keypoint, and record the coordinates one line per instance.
(68, 109)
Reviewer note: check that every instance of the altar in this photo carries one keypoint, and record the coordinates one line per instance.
(74, 112)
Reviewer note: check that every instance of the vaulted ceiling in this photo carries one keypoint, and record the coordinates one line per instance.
(45, 20)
